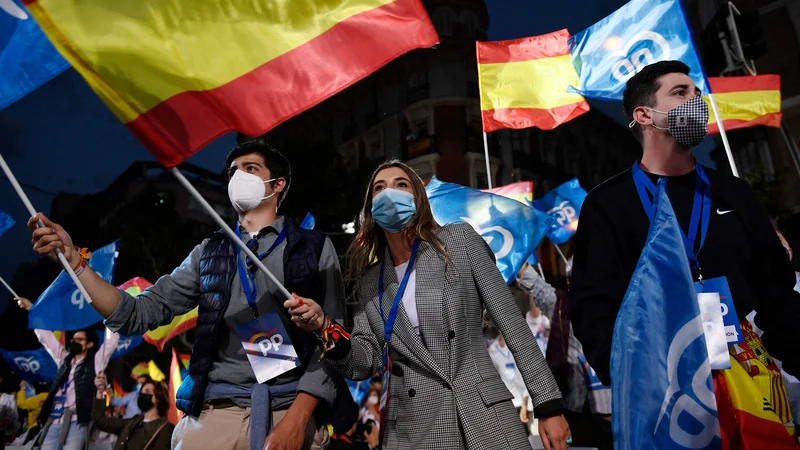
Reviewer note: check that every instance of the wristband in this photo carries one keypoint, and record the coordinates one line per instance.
(335, 341)
(85, 255)
(81, 267)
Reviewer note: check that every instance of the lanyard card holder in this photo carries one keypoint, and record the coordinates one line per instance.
(268, 346)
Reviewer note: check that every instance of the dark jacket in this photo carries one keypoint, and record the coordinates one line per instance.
(126, 428)
(84, 388)
(217, 271)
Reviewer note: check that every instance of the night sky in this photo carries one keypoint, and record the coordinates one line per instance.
(62, 138)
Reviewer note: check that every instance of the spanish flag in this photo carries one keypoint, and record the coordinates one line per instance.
(524, 83)
(746, 102)
(140, 369)
(173, 414)
(161, 335)
(521, 191)
(180, 73)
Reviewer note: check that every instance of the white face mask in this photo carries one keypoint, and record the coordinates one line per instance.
(246, 191)
(372, 400)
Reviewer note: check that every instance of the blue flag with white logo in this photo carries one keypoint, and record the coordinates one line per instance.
(33, 366)
(663, 395)
(62, 307)
(6, 221)
(607, 54)
(564, 204)
(512, 229)
(27, 58)
(124, 345)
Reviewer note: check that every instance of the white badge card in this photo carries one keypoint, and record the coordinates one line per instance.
(268, 346)
(714, 330)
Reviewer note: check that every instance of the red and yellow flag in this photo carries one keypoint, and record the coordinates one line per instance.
(746, 102)
(524, 83)
(174, 414)
(161, 335)
(180, 73)
(140, 369)
(521, 191)
(118, 392)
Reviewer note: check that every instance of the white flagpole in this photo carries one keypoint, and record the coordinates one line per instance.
(724, 136)
(486, 153)
(226, 228)
(32, 212)
(541, 272)
(560, 252)
(8, 287)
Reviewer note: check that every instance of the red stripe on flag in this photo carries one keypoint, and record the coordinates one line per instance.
(287, 85)
(524, 49)
(770, 120)
(182, 327)
(545, 119)
(721, 85)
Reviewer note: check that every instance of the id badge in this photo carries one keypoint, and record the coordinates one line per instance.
(733, 330)
(58, 406)
(716, 343)
(268, 346)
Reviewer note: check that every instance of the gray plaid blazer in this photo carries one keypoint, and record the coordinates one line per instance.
(445, 393)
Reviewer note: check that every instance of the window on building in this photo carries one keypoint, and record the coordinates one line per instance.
(443, 19)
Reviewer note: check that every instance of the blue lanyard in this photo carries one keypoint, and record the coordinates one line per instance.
(249, 279)
(701, 206)
(388, 322)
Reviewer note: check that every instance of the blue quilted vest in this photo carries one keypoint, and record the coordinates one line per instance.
(217, 272)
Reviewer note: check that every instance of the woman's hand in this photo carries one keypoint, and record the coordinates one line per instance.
(306, 313)
(100, 382)
(523, 413)
(554, 432)
(24, 303)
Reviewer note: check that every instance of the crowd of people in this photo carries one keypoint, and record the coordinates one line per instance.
(462, 360)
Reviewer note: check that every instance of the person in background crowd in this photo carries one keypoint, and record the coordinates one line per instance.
(28, 400)
(128, 401)
(148, 430)
(67, 411)
(504, 362)
(360, 436)
(369, 407)
(435, 346)
(9, 417)
(376, 383)
(736, 243)
(226, 408)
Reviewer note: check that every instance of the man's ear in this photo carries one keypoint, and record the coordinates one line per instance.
(643, 116)
(89, 344)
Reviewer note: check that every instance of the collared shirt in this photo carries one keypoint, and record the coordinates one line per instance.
(179, 293)
(53, 346)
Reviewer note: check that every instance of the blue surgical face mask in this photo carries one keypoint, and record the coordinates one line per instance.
(393, 209)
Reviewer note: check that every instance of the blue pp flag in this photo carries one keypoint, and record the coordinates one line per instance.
(533, 259)
(358, 389)
(62, 307)
(308, 222)
(124, 345)
(6, 222)
(663, 396)
(564, 204)
(27, 58)
(33, 366)
(512, 229)
(607, 54)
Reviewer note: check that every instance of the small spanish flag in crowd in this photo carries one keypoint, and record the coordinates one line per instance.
(521, 191)
(161, 335)
(175, 380)
(746, 102)
(180, 73)
(524, 83)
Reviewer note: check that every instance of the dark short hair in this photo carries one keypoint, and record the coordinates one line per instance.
(161, 394)
(275, 161)
(91, 336)
(641, 89)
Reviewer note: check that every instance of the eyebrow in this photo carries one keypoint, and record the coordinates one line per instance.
(395, 179)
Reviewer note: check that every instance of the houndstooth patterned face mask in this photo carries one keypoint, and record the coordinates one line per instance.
(687, 123)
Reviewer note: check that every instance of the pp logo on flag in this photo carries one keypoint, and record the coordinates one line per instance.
(77, 299)
(648, 47)
(508, 238)
(28, 364)
(564, 213)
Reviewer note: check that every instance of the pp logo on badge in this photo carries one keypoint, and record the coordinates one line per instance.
(267, 342)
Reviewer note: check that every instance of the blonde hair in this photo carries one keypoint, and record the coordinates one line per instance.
(369, 245)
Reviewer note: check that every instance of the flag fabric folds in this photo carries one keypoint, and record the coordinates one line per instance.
(663, 396)
(118, 392)
(521, 191)
(746, 102)
(524, 82)
(33, 366)
(27, 58)
(607, 54)
(6, 222)
(308, 222)
(564, 204)
(161, 335)
(173, 414)
(62, 307)
(512, 229)
(154, 372)
(140, 369)
(181, 73)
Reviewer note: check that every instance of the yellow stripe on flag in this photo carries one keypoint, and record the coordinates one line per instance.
(747, 105)
(176, 44)
(164, 333)
(539, 83)
(155, 372)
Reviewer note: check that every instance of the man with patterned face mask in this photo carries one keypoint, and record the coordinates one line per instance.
(254, 377)
(729, 241)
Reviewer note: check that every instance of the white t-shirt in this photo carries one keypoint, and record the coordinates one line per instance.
(410, 295)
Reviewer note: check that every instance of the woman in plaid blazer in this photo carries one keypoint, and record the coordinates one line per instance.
(444, 391)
